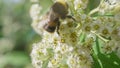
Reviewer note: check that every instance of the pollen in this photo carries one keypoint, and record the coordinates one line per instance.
(108, 48)
(82, 57)
(87, 20)
(73, 35)
(70, 24)
(63, 48)
(115, 32)
(79, 6)
(96, 27)
(62, 27)
(53, 61)
(105, 31)
(55, 43)
(72, 61)
(87, 28)
(62, 40)
(64, 35)
(73, 40)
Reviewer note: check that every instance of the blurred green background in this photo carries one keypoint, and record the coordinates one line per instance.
(16, 34)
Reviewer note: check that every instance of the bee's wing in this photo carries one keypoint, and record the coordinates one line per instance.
(38, 26)
(43, 22)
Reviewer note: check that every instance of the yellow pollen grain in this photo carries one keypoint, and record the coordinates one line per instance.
(108, 48)
(87, 20)
(69, 24)
(87, 28)
(53, 61)
(73, 40)
(105, 31)
(61, 27)
(79, 6)
(96, 27)
(63, 49)
(55, 43)
(115, 32)
(72, 61)
(64, 35)
(73, 35)
(62, 40)
(82, 57)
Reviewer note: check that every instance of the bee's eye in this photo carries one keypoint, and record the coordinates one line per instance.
(51, 27)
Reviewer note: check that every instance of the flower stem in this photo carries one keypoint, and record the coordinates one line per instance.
(105, 40)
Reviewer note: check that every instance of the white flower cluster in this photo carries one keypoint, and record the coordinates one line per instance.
(80, 4)
(66, 50)
(106, 27)
(61, 51)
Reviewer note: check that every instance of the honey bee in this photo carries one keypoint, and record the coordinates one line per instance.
(50, 25)
(59, 10)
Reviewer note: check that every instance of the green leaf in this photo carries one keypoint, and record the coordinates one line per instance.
(104, 60)
(92, 4)
(96, 63)
(109, 62)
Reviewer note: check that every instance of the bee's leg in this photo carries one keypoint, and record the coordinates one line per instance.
(58, 26)
(69, 16)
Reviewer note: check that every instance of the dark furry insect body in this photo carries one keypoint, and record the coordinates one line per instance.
(58, 11)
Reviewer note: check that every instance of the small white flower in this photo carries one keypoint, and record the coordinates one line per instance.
(86, 28)
(109, 47)
(117, 17)
(96, 25)
(105, 31)
(115, 34)
(90, 38)
(83, 16)
(35, 11)
(80, 4)
(111, 2)
(108, 6)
